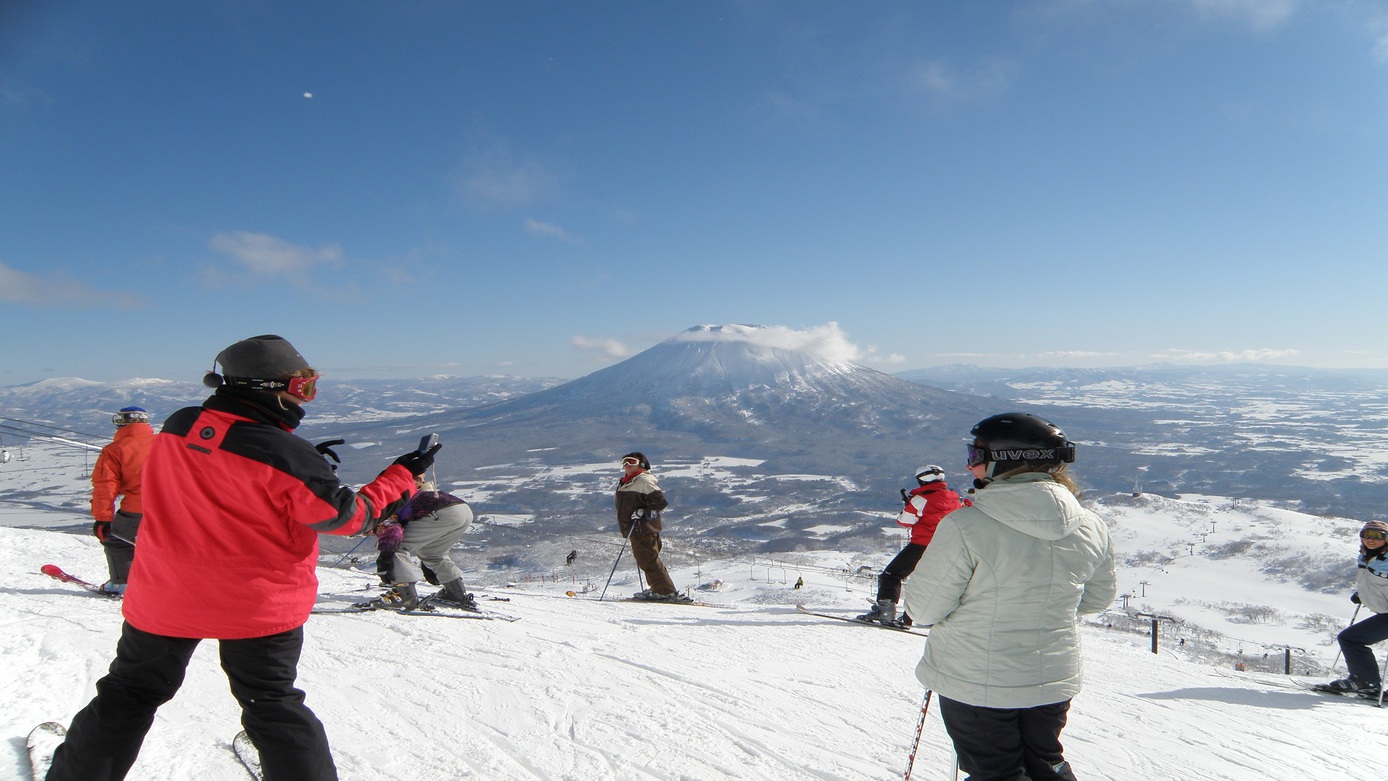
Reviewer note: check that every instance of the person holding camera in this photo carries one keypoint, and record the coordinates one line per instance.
(234, 502)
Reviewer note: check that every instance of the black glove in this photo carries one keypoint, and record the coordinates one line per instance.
(101, 529)
(905, 498)
(418, 463)
(325, 449)
(1355, 598)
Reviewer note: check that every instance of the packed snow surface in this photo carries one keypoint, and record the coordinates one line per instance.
(586, 690)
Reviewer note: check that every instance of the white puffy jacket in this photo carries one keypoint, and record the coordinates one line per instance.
(1001, 586)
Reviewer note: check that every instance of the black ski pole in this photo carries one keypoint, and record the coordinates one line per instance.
(614, 569)
(350, 552)
(1351, 623)
(920, 726)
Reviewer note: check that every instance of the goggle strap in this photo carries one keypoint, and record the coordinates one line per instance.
(302, 387)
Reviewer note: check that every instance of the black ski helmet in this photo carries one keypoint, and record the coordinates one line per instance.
(1019, 439)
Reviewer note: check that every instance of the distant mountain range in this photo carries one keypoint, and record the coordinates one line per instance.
(772, 448)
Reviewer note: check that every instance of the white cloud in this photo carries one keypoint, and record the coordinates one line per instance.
(1080, 354)
(549, 231)
(494, 180)
(267, 256)
(58, 291)
(259, 258)
(825, 341)
(946, 83)
(604, 348)
(1262, 355)
(1260, 15)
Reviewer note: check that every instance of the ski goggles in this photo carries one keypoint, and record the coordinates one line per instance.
(1373, 534)
(631, 462)
(304, 388)
(978, 454)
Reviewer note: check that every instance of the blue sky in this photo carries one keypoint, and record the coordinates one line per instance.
(543, 188)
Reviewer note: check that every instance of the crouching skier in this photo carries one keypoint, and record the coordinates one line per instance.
(233, 505)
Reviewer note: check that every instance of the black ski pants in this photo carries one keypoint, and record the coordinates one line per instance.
(897, 570)
(1008, 744)
(105, 737)
(1355, 642)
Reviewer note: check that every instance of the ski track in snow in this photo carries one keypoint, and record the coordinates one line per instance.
(581, 690)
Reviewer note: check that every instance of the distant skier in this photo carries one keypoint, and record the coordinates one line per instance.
(428, 526)
(1001, 586)
(639, 505)
(930, 501)
(234, 503)
(116, 475)
(1372, 585)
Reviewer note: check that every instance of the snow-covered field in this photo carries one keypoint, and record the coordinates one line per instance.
(749, 689)
(580, 689)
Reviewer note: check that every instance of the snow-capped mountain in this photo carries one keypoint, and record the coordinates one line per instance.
(768, 443)
(714, 388)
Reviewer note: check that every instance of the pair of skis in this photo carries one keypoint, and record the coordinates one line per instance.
(426, 607)
(809, 612)
(44, 740)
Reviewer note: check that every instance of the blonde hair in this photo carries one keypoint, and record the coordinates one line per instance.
(1061, 474)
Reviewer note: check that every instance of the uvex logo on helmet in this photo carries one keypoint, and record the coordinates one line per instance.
(1027, 454)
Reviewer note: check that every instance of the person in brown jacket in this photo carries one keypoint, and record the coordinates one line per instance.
(639, 505)
(117, 475)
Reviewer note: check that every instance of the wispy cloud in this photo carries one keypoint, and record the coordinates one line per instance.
(59, 291)
(1261, 355)
(827, 341)
(494, 180)
(605, 349)
(945, 83)
(1260, 15)
(257, 258)
(547, 230)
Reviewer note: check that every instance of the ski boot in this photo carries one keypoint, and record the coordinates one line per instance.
(454, 595)
(112, 589)
(402, 596)
(883, 612)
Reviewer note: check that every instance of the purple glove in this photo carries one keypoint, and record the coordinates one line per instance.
(389, 536)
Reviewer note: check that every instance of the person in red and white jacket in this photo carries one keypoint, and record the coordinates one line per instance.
(931, 500)
(234, 502)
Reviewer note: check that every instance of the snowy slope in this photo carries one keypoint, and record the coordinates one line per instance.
(579, 689)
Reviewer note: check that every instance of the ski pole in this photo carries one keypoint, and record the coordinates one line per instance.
(1381, 675)
(350, 552)
(614, 569)
(920, 726)
(1338, 652)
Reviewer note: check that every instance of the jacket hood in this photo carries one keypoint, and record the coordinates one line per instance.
(1032, 503)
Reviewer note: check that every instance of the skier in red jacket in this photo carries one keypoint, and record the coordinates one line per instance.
(925, 506)
(234, 502)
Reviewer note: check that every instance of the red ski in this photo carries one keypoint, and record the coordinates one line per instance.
(56, 572)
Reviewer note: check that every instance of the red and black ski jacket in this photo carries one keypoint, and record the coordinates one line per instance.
(234, 502)
(925, 507)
